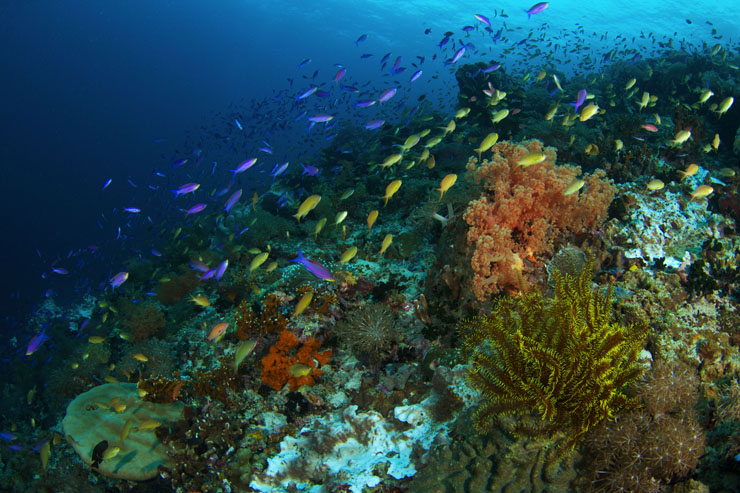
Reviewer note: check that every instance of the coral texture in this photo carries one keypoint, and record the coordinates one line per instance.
(275, 366)
(523, 211)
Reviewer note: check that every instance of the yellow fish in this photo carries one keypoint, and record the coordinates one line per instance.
(690, 171)
(126, 429)
(574, 186)
(450, 127)
(391, 189)
(307, 206)
(140, 357)
(300, 370)
(371, 220)
(557, 82)
(258, 260)
(531, 158)
(701, 191)
(95, 339)
(149, 424)
(111, 452)
(644, 101)
(630, 83)
(462, 113)
(303, 303)
(319, 226)
(588, 112)
(386, 243)
(486, 143)
(681, 137)
(347, 194)
(242, 352)
(433, 142)
(551, 112)
(499, 115)
(618, 145)
(271, 266)
(341, 216)
(724, 106)
(45, 453)
(704, 97)
(348, 255)
(200, 300)
(715, 142)
(655, 184)
(446, 183)
(431, 162)
(541, 75)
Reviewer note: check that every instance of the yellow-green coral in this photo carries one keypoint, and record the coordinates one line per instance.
(562, 361)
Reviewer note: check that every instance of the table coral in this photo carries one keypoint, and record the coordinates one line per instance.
(276, 363)
(523, 211)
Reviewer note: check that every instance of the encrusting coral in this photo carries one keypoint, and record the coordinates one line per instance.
(523, 211)
(276, 364)
(562, 361)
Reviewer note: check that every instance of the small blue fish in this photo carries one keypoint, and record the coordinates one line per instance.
(415, 76)
(238, 124)
(360, 39)
(107, 183)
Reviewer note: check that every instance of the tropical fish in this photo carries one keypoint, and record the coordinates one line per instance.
(313, 267)
(35, 343)
(97, 453)
(299, 370)
(655, 185)
(574, 186)
(588, 112)
(371, 220)
(391, 189)
(217, 331)
(701, 192)
(388, 94)
(446, 184)
(244, 349)
(536, 9)
(307, 206)
(724, 106)
(303, 303)
(244, 166)
(118, 279)
(348, 255)
(185, 189)
(195, 209)
(531, 158)
(579, 99)
(200, 300)
(386, 243)
(258, 260)
(232, 200)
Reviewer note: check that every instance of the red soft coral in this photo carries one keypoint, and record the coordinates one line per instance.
(275, 366)
(523, 211)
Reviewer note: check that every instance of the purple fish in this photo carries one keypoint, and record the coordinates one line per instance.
(321, 118)
(185, 189)
(61, 271)
(444, 41)
(118, 279)
(156, 253)
(374, 124)
(208, 275)
(309, 170)
(221, 270)
(491, 68)
(536, 9)
(132, 210)
(313, 267)
(36, 342)
(387, 95)
(107, 182)
(199, 266)
(361, 39)
(231, 202)
(244, 166)
(265, 150)
(579, 99)
(195, 209)
(458, 55)
(483, 19)
(7, 436)
(178, 163)
(304, 63)
(340, 74)
(365, 104)
(415, 76)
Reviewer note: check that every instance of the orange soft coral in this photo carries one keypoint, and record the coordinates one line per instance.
(277, 362)
(523, 211)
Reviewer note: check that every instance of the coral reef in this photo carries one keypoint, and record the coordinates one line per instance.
(564, 362)
(143, 321)
(277, 363)
(523, 212)
(370, 332)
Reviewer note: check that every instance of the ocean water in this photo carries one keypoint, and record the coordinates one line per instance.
(110, 107)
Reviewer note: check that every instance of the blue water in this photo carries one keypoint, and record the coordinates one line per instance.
(98, 90)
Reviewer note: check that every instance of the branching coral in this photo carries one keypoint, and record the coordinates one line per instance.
(270, 319)
(564, 362)
(524, 210)
(276, 364)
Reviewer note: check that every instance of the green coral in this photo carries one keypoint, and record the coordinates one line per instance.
(562, 362)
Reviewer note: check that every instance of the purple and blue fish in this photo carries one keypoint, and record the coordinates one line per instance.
(118, 279)
(185, 189)
(35, 343)
(536, 9)
(388, 94)
(244, 166)
(231, 201)
(313, 267)
(579, 99)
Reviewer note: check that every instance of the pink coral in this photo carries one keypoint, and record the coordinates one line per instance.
(523, 211)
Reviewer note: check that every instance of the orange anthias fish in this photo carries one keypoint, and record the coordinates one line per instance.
(217, 331)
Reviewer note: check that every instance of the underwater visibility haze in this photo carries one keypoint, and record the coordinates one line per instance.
(370, 246)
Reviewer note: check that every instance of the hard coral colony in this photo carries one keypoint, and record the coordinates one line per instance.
(553, 259)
